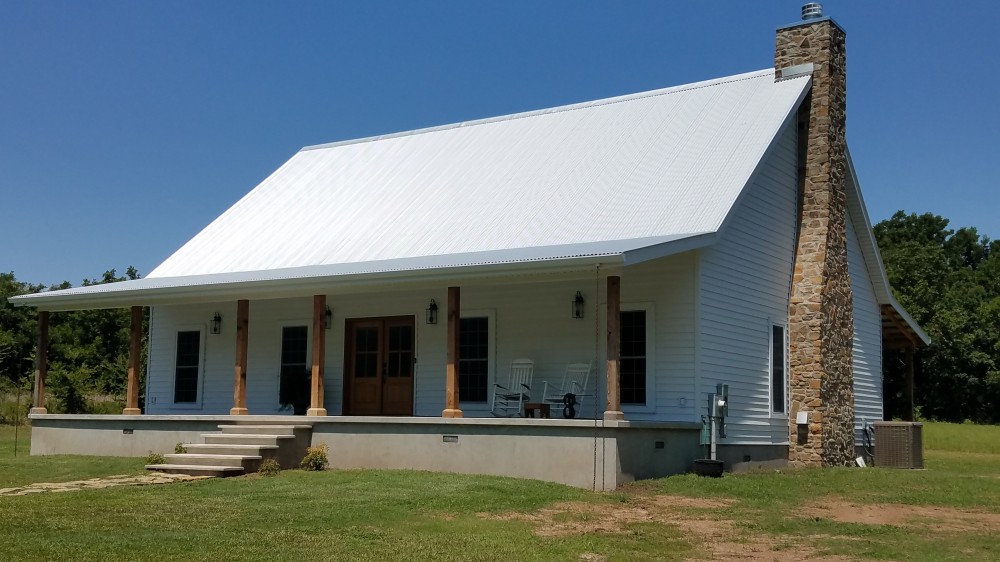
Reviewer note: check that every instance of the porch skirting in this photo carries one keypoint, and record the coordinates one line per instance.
(585, 453)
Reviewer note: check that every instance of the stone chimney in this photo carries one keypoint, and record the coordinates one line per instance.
(821, 310)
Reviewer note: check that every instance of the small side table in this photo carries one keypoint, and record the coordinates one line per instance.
(531, 407)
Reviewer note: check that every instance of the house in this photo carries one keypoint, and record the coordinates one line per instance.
(679, 239)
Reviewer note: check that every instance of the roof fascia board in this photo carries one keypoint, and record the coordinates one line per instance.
(665, 249)
(304, 286)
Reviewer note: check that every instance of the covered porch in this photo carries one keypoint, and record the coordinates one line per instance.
(529, 312)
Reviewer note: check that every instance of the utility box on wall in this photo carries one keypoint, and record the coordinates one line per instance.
(899, 444)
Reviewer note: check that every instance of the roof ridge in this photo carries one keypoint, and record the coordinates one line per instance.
(557, 109)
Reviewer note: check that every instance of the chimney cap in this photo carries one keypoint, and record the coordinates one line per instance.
(812, 10)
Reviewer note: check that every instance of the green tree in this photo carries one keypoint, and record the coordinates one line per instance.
(88, 349)
(949, 281)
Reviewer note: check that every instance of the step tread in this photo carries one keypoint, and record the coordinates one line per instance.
(194, 467)
(263, 426)
(211, 456)
(232, 446)
(244, 435)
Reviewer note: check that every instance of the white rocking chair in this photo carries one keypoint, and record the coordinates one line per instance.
(573, 388)
(508, 401)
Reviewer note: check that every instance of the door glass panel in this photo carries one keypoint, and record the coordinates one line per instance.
(366, 352)
(400, 352)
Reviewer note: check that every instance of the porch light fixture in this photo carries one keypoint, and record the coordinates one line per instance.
(578, 306)
(327, 319)
(432, 312)
(217, 323)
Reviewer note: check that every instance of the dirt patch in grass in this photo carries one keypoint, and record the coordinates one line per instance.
(698, 519)
(939, 518)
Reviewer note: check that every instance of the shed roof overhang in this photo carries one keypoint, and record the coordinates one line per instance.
(360, 276)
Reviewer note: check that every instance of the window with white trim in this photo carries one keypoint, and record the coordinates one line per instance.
(187, 367)
(633, 357)
(473, 359)
(779, 361)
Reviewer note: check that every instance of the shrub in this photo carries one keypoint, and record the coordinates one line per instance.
(269, 467)
(180, 449)
(316, 458)
(155, 458)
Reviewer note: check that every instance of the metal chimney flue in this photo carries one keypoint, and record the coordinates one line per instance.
(812, 10)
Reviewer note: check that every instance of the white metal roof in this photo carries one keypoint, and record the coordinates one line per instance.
(632, 177)
(662, 163)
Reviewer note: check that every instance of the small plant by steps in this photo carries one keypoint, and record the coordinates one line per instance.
(155, 458)
(316, 458)
(269, 467)
(180, 449)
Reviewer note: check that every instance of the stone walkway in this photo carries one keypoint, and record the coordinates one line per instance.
(97, 483)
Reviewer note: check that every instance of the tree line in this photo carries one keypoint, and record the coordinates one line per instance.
(87, 354)
(949, 282)
(947, 279)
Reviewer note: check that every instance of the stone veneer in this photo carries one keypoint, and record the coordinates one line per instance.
(821, 309)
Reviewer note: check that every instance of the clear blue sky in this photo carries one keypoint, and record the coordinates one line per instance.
(126, 127)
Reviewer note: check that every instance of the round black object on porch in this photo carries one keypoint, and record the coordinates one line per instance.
(569, 403)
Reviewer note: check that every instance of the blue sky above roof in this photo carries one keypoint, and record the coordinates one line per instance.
(128, 127)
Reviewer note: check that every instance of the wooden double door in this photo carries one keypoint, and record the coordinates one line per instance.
(380, 360)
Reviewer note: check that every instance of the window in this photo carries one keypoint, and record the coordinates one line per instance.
(293, 390)
(778, 361)
(632, 376)
(473, 359)
(187, 366)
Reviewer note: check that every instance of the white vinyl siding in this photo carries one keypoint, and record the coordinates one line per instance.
(867, 360)
(528, 317)
(744, 286)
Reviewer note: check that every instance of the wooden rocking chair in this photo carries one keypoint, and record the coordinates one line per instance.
(508, 400)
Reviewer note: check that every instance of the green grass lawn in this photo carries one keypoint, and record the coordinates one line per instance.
(23, 469)
(404, 515)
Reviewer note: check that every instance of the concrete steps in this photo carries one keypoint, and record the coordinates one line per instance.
(197, 470)
(248, 439)
(239, 449)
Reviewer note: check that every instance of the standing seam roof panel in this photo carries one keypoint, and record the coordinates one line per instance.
(661, 163)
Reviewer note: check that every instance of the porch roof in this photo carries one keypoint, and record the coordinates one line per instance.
(303, 281)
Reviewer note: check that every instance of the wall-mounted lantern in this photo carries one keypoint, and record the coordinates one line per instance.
(432, 312)
(217, 323)
(578, 306)
(328, 319)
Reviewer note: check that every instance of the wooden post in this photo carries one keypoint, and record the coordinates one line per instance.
(134, 356)
(451, 408)
(41, 364)
(908, 414)
(613, 411)
(318, 354)
(240, 385)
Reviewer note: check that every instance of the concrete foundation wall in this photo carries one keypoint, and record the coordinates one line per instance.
(579, 453)
(740, 458)
(576, 453)
(116, 436)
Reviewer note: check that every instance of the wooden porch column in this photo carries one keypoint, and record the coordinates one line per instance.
(613, 410)
(240, 385)
(134, 356)
(451, 407)
(908, 354)
(318, 354)
(41, 364)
